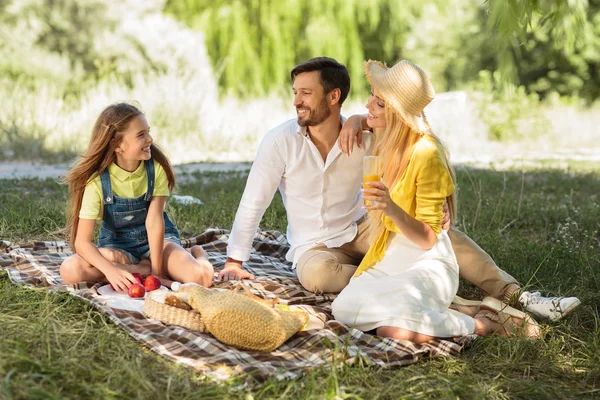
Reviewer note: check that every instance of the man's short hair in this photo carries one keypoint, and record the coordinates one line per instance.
(333, 74)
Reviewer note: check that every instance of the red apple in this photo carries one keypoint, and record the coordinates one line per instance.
(151, 283)
(136, 291)
(138, 278)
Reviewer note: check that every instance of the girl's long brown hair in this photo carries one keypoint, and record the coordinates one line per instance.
(394, 145)
(106, 137)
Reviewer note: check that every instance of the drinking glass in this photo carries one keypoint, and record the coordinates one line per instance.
(371, 173)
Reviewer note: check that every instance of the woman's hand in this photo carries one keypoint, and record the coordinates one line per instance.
(377, 197)
(446, 217)
(351, 133)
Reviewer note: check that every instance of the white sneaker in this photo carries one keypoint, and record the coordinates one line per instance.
(548, 308)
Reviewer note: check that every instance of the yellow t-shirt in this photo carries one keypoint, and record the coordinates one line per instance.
(124, 184)
(421, 191)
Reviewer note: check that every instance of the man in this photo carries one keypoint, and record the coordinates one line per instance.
(320, 188)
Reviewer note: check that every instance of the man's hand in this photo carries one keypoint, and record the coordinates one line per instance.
(232, 270)
(351, 133)
(446, 217)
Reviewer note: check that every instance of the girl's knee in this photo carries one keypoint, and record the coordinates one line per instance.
(70, 270)
(170, 248)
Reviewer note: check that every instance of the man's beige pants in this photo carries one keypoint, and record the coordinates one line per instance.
(328, 270)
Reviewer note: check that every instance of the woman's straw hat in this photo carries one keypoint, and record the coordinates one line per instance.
(405, 87)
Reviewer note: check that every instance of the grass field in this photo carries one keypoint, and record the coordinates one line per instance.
(538, 224)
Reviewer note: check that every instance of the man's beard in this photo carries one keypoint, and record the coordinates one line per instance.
(318, 115)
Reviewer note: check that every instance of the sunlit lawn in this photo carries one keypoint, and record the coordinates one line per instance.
(539, 225)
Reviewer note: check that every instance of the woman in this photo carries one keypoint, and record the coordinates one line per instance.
(409, 276)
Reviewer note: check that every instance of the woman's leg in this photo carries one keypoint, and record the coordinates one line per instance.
(75, 269)
(485, 325)
(488, 323)
(187, 267)
(403, 334)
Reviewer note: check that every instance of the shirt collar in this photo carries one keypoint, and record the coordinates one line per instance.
(122, 175)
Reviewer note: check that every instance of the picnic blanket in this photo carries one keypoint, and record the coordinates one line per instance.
(37, 264)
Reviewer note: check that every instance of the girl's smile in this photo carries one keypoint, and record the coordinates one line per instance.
(136, 144)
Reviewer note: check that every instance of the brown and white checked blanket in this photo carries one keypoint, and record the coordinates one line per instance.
(37, 264)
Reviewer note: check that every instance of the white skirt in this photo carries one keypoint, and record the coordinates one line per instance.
(409, 288)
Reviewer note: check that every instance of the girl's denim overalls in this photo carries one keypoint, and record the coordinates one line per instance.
(124, 220)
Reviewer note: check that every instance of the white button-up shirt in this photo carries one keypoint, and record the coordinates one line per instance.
(322, 199)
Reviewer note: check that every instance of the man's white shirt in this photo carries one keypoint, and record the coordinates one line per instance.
(322, 198)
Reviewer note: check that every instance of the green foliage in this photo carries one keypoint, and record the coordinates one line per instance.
(507, 110)
(63, 61)
(543, 45)
(548, 45)
(54, 41)
(74, 44)
(256, 43)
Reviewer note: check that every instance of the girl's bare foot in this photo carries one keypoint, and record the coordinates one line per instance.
(198, 252)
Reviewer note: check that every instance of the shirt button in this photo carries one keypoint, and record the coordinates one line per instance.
(323, 228)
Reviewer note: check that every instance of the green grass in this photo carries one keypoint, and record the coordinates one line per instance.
(539, 225)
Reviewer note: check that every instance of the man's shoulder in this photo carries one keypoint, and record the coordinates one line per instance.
(286, 128)
(368, 141)
(282, 133)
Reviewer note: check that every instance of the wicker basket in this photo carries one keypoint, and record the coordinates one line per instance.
(155, 307)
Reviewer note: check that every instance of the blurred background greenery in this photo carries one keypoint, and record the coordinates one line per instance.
(213, 76)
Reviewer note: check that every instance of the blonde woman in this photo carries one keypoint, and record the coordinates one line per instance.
(409, 276)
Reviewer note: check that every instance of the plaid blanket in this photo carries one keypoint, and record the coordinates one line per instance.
(37, 264)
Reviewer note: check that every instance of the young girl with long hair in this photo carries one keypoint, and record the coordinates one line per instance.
(409, 276)
(124, 179)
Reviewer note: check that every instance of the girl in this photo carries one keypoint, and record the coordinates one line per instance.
(409, 276)
(124, 179)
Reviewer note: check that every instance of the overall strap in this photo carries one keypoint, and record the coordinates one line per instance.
(107, 193)
(149, 165)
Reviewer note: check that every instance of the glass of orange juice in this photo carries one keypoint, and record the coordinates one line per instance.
(371, 173)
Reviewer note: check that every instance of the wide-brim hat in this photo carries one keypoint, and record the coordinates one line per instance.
(405, 87)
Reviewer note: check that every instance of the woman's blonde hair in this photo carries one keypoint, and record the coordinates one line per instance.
(107, 135)
(394, 145)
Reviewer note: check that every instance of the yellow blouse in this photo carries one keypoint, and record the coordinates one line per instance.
(421, 191)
